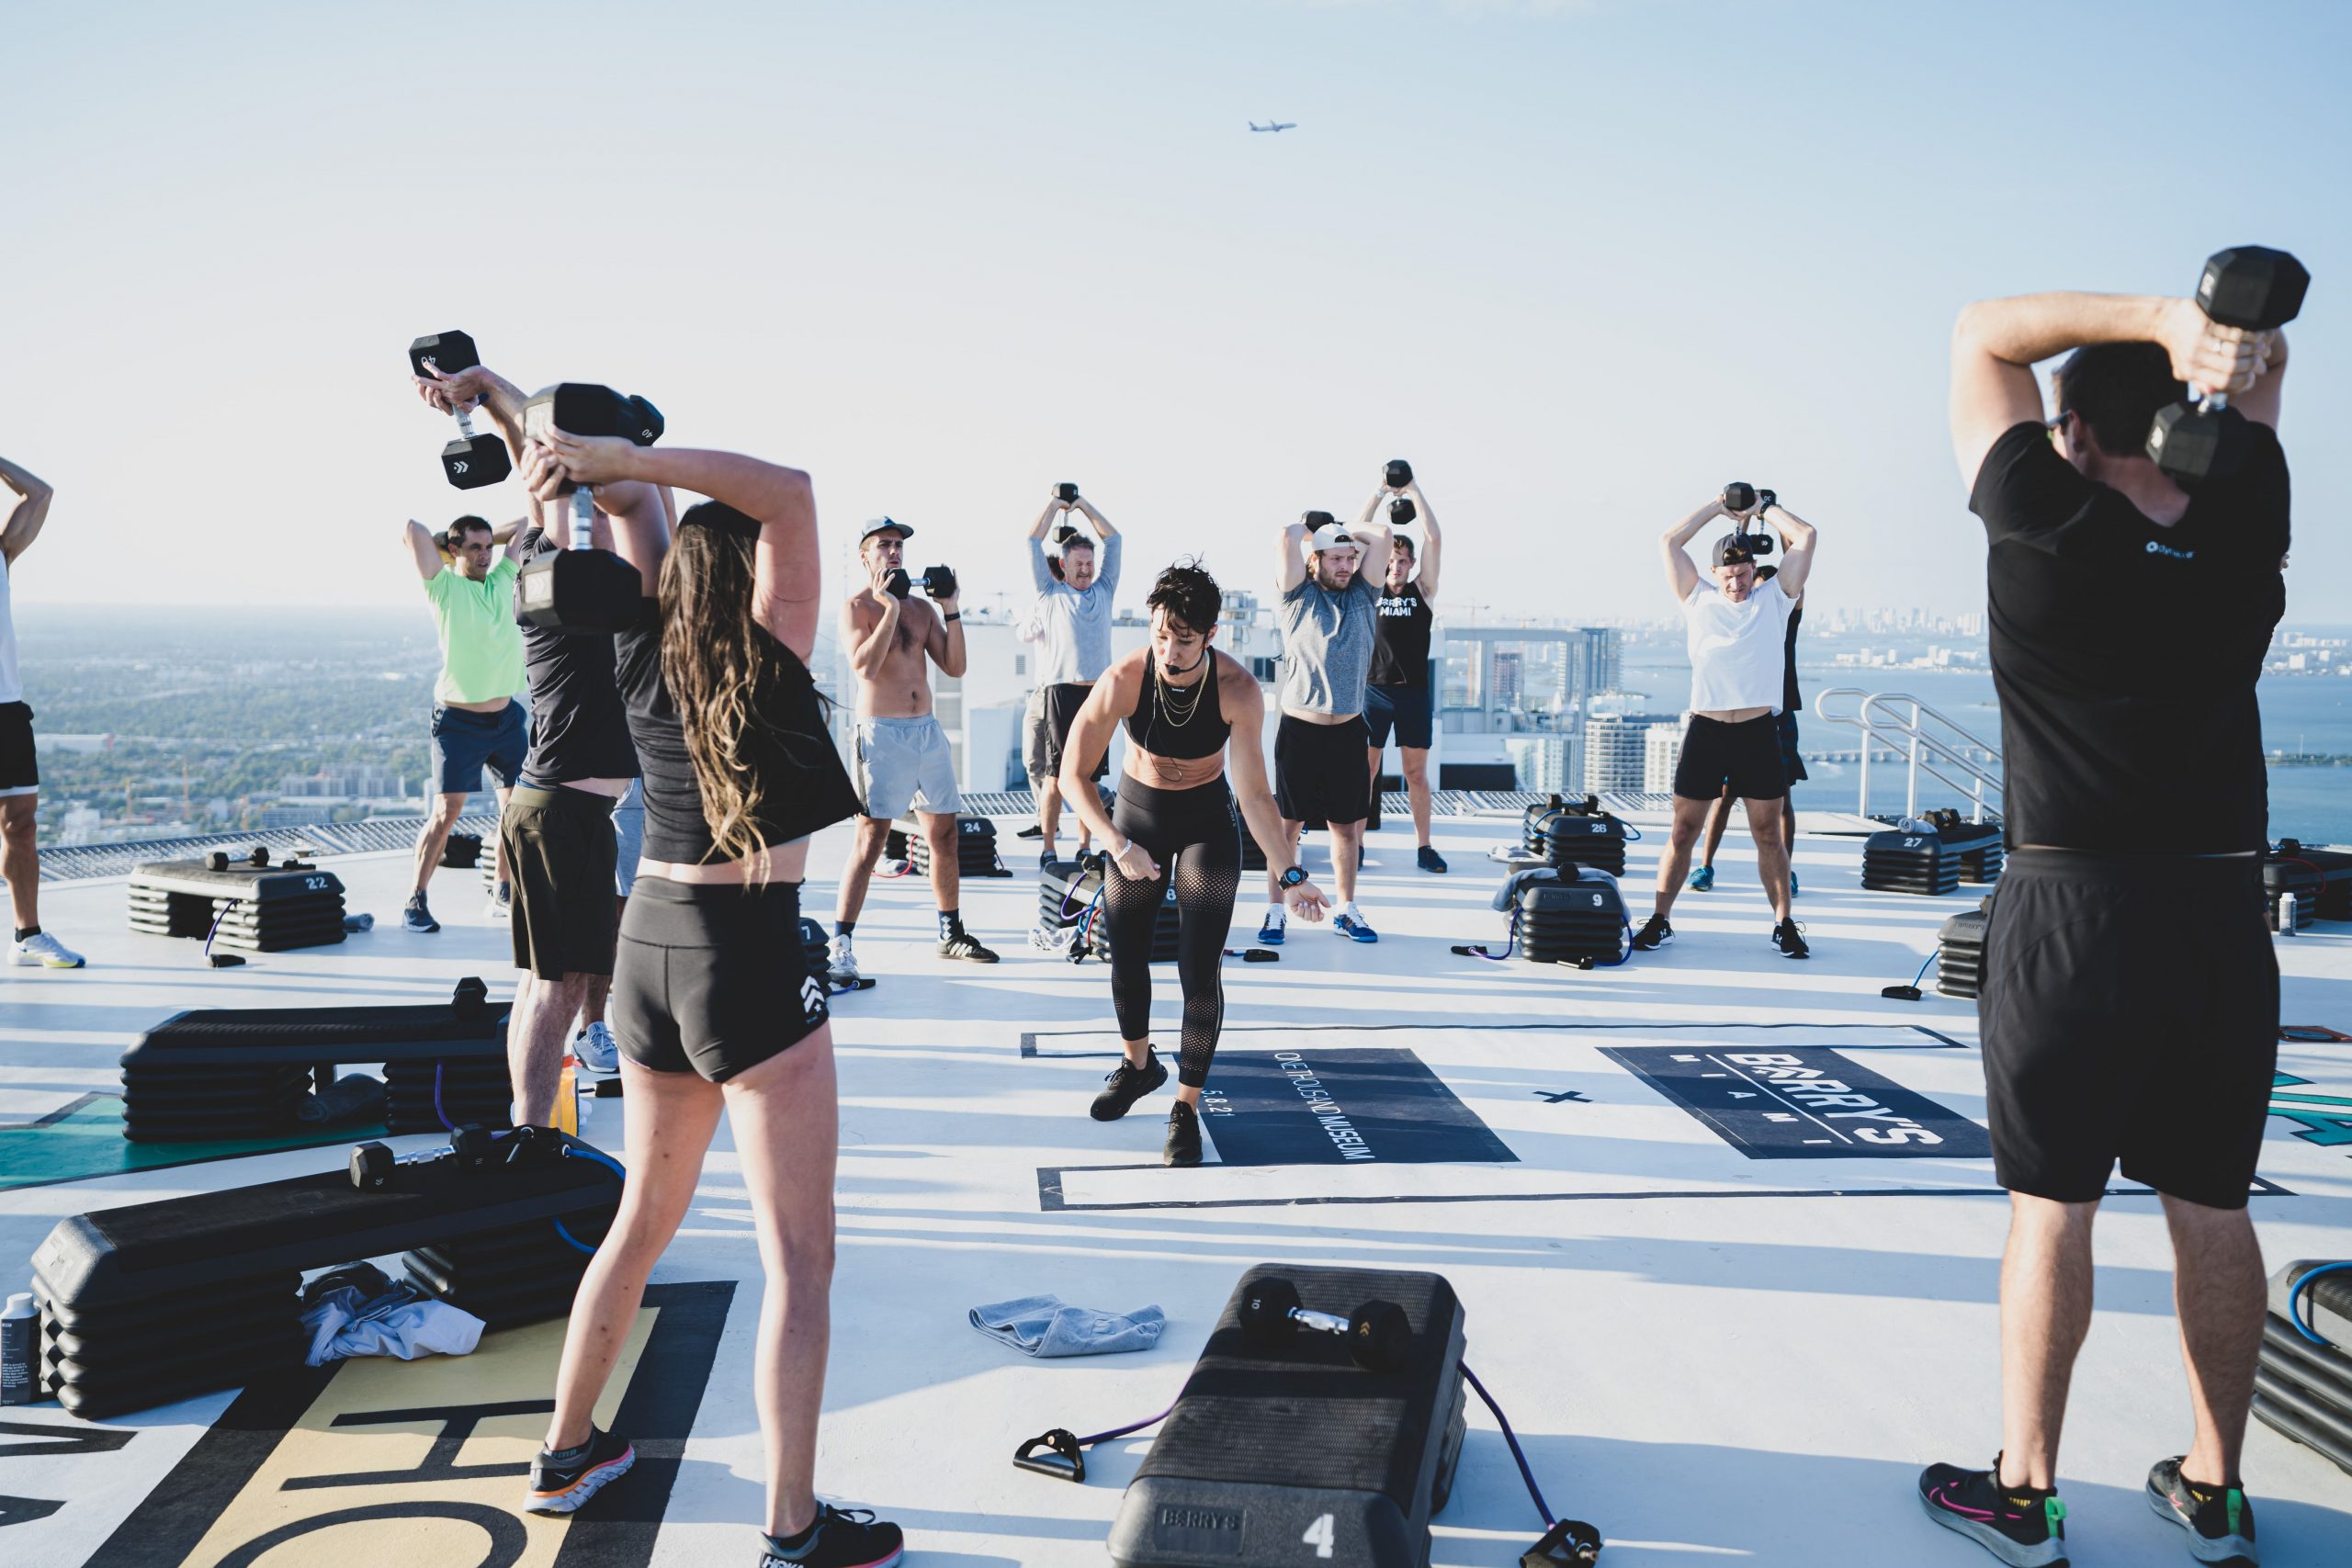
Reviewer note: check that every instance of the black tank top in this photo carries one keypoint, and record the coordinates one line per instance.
(1154, 729)
(805, 787)
(1401, 646)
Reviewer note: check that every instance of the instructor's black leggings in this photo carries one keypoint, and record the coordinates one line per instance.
(1194, 835)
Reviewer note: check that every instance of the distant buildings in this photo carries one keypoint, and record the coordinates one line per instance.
(1617, 750)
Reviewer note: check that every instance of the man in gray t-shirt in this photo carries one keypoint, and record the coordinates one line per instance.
(1326, 609)
(1070, 626)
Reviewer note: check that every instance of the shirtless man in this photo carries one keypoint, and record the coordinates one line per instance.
(902, 761)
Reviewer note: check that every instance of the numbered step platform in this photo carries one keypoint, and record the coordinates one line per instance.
(975, 847)
(2302, 1389)
(1932, 864)
(1577, 919)
(246, 903)
(1563, 832)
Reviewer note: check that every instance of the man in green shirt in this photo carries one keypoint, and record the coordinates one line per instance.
(475, 719)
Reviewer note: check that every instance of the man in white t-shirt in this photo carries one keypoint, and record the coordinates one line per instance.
(19, 773)
(1738, 629)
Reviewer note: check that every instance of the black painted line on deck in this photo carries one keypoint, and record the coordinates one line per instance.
(1029, 1038)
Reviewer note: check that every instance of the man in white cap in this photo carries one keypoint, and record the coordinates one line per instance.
(1328, 609)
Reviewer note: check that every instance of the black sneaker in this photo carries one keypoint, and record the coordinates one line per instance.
(416, 917)
(561, 1481)
(2219, 1519)
(1655, 933)
(1786, 937)
(842, 1538)
(2020, 1525)
(961, 946)
(1183, 1135)
(1429, 860)
(1126, 1084)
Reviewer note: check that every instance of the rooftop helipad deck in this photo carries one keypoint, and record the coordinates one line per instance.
(1729, 1326)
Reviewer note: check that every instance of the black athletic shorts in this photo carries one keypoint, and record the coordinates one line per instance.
(2130, 1013)
(1746, 755)
(1320, 773)
(1407, 708)
(562, 856)
(1063, 700)
(20, 768)
(1792, 765)
(712, 980)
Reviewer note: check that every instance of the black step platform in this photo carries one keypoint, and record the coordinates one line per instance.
(241, 1072)
(2304, 1392)
(1960, 953)
(1275, 1455)
(1563, 833)
(1934, 863)
(1578, 921)
(154, 1302)
(256, 906)
(2282, 877)
(1065, 890)
(975, 847)
(2334, 899)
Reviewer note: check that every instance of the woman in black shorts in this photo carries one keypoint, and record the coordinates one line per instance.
(1183, 702)
(738, 770)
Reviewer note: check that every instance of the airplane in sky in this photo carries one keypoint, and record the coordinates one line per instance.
(1275, 125)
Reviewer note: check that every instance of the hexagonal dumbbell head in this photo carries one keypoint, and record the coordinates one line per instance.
(446, 352)
(2253, 287)
(583, 408)
(2192, 444)
(1379, 1337)
(1397, 474)
(1267, 1319)
(372, 1167)
(472, 462)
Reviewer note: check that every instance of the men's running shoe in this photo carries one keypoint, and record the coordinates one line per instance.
(1792, 884)
(964, 946)
(43, 951)
(1789, 938)
(842, 1538)
(1183, 1135)
(890, 867)
(1703, 880)
(1355, 928)
(562, 1480)
(502, 902)
(418, 917)
(1655, 933)
(1269, 930)
(1429, 859)
(1045, 857)
(841, 970)
(597, 1050)
(2022, 1526)
(1127, 1083)
(2219, 1519)
(1034, 831)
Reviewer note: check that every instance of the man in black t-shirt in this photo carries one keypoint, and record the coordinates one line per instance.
(2130, 1007)
(1398, 695)
(557, 828)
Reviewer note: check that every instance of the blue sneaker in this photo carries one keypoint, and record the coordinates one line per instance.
(1271, 932)
(418, 917)
(1792, 884)
(1352, 927)
(1703, 880)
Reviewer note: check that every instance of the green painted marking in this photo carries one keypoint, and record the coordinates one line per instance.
(87, 1142)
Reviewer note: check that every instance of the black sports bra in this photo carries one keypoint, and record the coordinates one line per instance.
(1184, 735)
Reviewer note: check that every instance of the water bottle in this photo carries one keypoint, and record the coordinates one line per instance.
(19, 1328)
(2287, 915)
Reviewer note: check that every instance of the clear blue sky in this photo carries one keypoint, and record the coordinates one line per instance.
(1581, 263)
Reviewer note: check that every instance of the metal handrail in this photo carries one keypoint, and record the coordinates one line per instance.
(1923, 748)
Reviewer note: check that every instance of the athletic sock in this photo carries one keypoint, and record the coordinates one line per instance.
(25, 933)
(1350, 909)
(782, 1543)
(843, 928)
(1275, 911)
(951, 925)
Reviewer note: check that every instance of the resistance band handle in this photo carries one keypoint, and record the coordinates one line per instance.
(2296, 1292)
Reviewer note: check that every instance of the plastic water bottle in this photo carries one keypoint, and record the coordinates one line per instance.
(2287, 915)
(19, 1325)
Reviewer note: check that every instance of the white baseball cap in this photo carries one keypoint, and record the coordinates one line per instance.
(1330, 537)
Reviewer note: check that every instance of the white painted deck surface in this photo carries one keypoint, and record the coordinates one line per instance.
(1711, 1373)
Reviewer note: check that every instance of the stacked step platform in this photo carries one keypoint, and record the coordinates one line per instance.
(216, 1073)
(1960, 953)
(1563, 833)
(1579, 920)
(1934, 863)
(2295, 876)
(246, 903)
(2333, 900)
(2302, 1388)
(975, 847)
(1065, 890)
(154, 1302)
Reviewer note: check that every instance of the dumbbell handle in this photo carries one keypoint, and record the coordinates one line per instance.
(583, 519)
(1323, 1321)
(464, 415)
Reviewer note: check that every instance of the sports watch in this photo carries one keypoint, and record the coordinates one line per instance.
(1292, 877)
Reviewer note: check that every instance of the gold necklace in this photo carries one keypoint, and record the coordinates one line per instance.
(1168, 704)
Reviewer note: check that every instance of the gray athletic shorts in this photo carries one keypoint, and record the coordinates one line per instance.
(904, 763)
(1038, 749)
(629, 826)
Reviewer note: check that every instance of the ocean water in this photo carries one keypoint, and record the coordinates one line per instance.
(2302, 714)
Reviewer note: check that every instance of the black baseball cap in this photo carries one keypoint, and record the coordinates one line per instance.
(1733, 549)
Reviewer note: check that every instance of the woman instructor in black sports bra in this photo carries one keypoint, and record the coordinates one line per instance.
(1182, 703)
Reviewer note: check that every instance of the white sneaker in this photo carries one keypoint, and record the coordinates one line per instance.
(44, 951)
(841, 970)
(502, 902)
(597, 1050)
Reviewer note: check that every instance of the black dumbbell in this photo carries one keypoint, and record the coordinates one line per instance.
(1397, 474)
(585, 589)
(470, 998)
(471, 461)
(1378, 1336)
(1402, 511)
(216, 860)
(2248, 286)
(258, 857)
(372, 1165)
(936, 580)
(1065, 493)
(1740, 496)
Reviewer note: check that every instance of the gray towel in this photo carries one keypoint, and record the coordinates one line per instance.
(1045, 1325)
